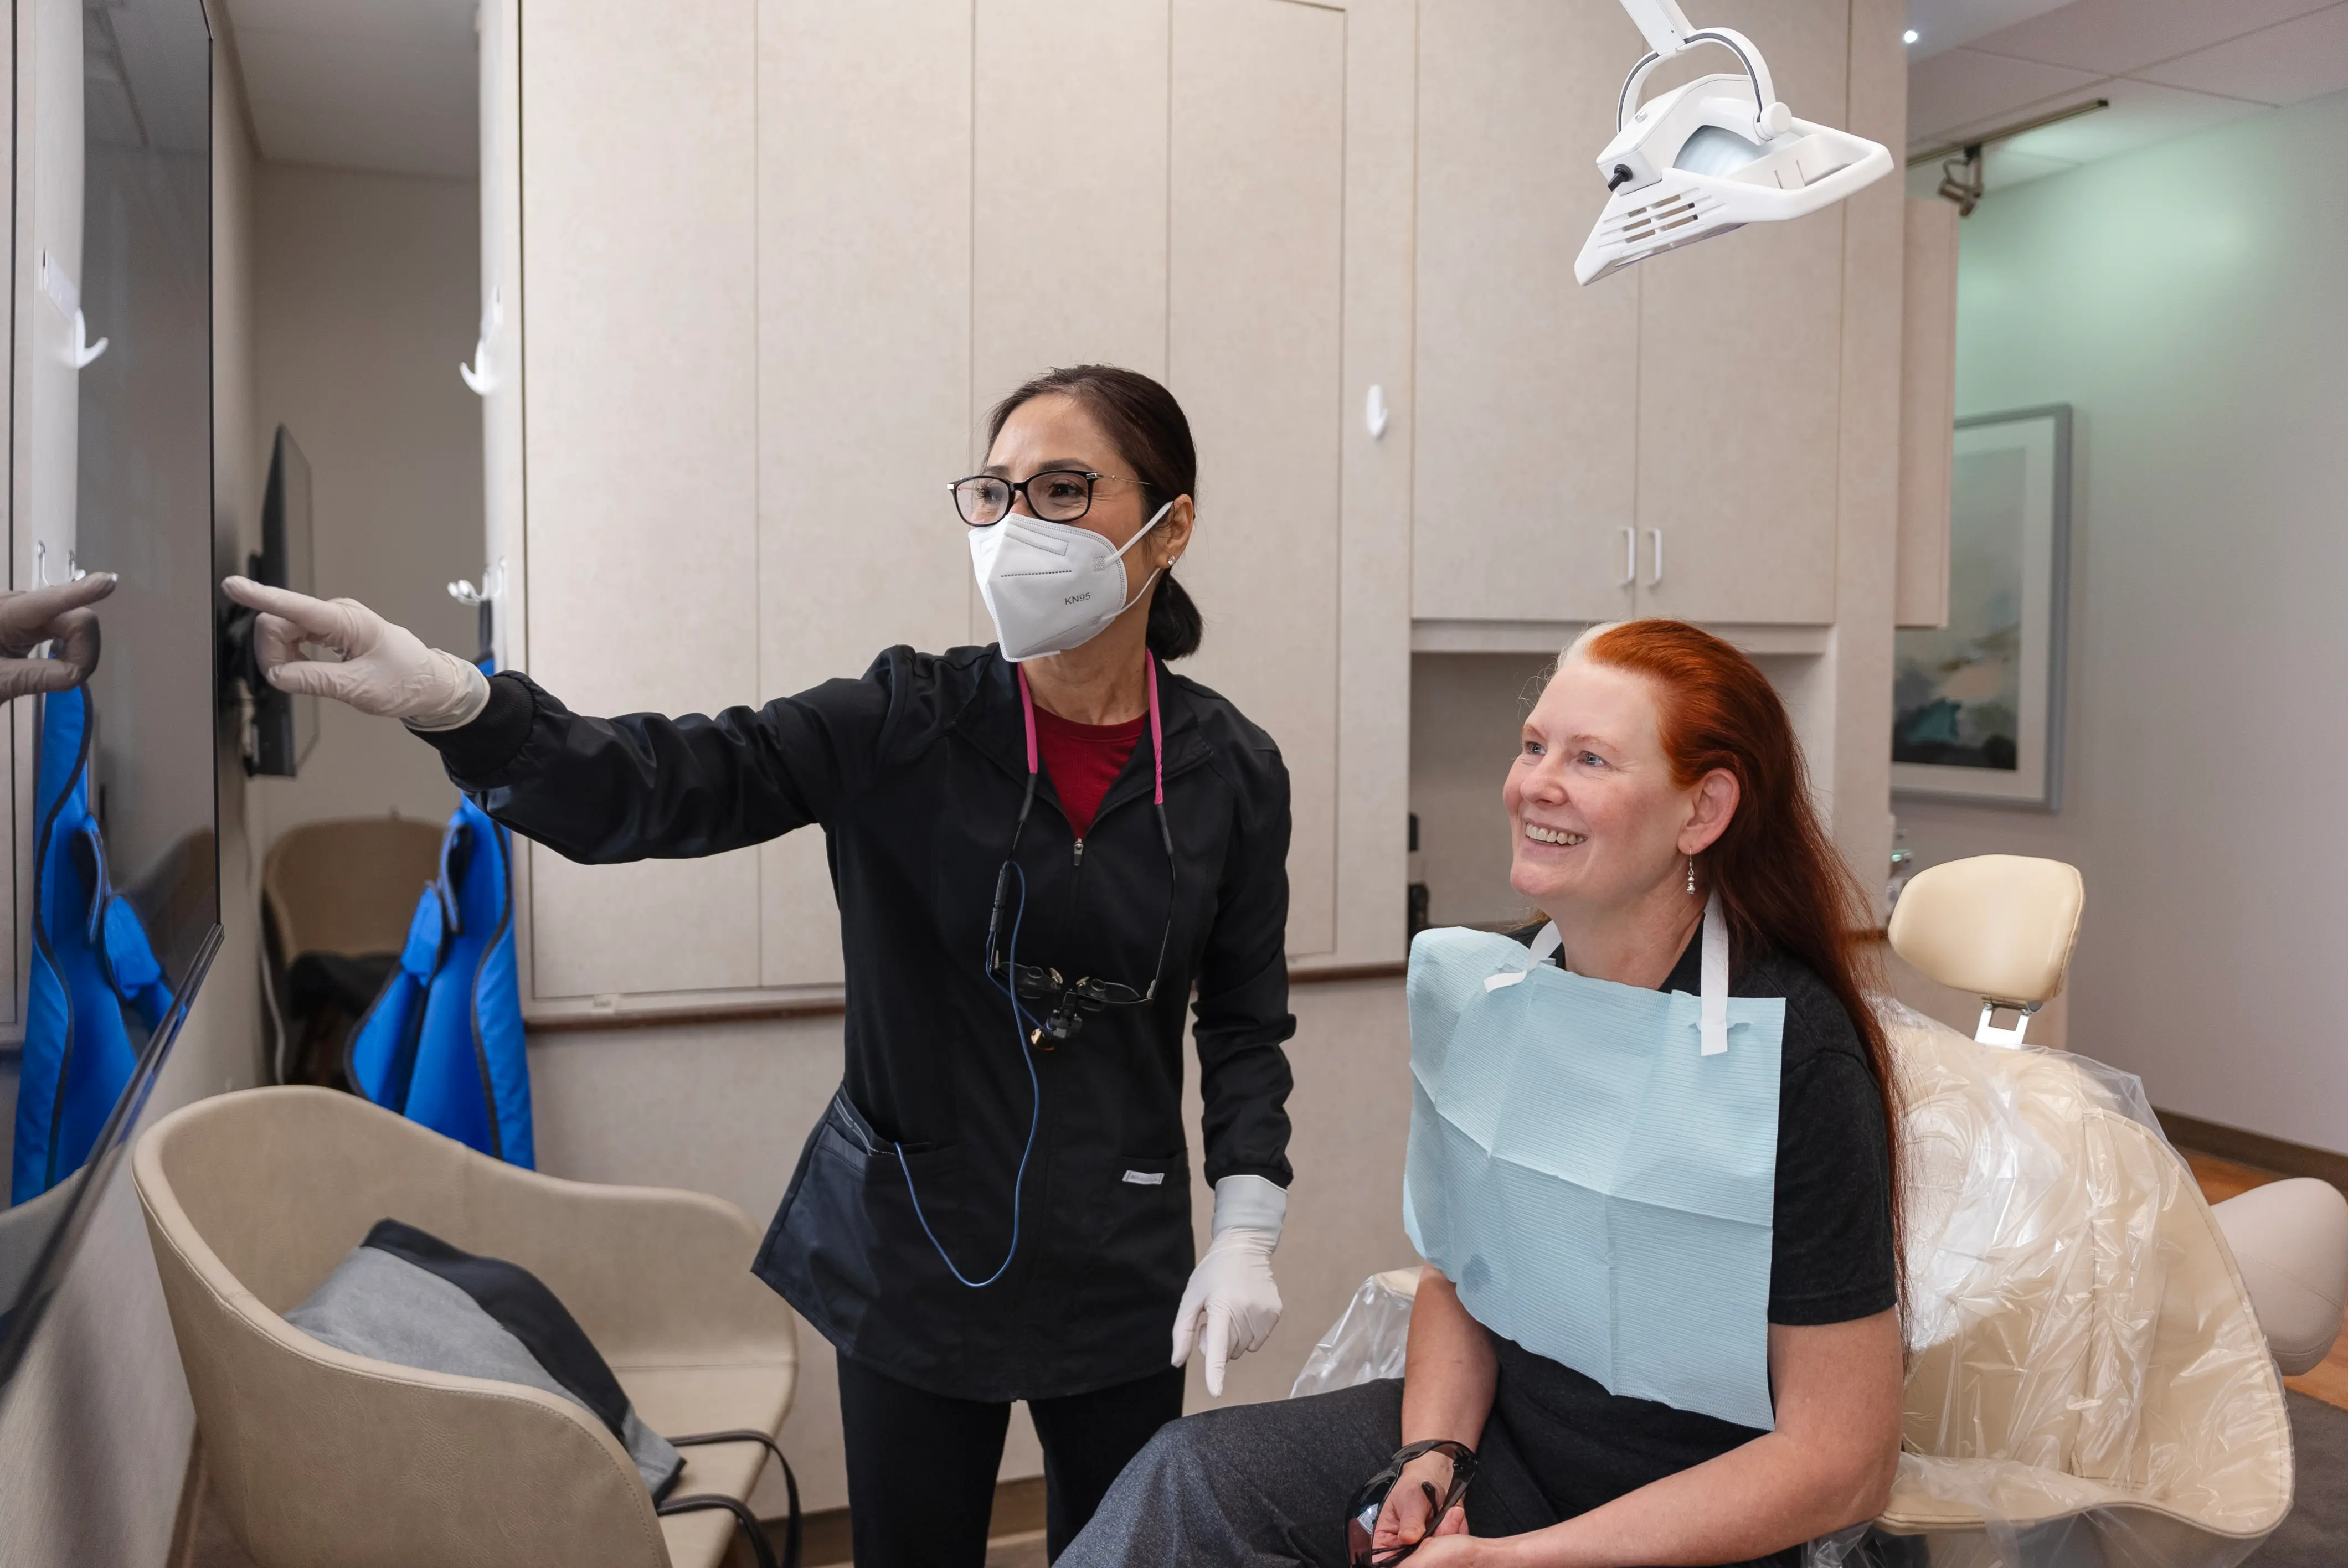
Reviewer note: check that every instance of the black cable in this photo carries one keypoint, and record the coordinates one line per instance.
(790, 1485)
(760, 1547)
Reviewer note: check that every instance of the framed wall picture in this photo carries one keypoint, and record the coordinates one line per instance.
(1977, 704)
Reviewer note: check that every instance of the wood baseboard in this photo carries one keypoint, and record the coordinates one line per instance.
(1018, 1510)
(2255, 1149)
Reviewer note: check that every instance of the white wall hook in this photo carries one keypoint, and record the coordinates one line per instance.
(74, 572)
(84, 352)
(58, 287)
(477, 376)
(1373, 412)
(493, 586)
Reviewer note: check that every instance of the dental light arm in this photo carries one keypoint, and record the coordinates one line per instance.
(1713, 155)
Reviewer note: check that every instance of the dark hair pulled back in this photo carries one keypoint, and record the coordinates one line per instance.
(1152, 436)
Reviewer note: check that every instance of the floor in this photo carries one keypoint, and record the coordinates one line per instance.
(1022, 1551)
(2223, 1179)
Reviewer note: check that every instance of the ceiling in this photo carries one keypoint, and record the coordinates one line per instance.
(2168, 66)
(384, 85)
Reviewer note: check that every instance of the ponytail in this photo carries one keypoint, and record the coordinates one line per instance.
(1175, 624)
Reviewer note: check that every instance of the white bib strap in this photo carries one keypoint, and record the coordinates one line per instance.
(1714, 996)
(1544, 944)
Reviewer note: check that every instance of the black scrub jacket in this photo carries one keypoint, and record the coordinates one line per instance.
(915, 773)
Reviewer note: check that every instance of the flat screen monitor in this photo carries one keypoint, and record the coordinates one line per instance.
(285, 726)
(131, 470)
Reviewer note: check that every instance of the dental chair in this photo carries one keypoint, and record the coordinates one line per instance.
(319, 1456)
(2088, 1380)
(2001, 927)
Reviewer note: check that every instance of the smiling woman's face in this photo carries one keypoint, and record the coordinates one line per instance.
(1598, 821)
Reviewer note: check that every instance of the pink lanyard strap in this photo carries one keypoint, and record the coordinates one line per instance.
(1157, 733)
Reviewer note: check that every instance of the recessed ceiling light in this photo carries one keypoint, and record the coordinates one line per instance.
(1908, 36)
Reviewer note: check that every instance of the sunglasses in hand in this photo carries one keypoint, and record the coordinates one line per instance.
(1362, 1547)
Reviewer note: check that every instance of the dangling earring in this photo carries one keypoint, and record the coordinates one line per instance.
(1690, 873)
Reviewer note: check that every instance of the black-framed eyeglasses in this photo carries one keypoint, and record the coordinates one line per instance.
(1056, 494)
(1362, 1518)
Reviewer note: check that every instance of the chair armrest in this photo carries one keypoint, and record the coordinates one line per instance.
(652, 1274)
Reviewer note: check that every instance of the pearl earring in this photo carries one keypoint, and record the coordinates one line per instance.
(1690, 873)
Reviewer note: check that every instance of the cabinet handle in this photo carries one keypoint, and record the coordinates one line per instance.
(1630, 558)
(1655, 539)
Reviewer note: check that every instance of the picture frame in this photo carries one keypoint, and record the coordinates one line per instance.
(1977, 702)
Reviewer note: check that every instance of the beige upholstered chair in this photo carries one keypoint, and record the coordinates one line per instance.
(2100, 1388)
(320, 1457)
(345, 886)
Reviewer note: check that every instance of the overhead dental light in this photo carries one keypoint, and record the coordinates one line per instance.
(1713, 155)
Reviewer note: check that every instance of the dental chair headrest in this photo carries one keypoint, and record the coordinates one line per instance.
(1998, 926)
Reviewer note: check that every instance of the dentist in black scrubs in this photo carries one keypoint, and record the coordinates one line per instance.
(1040, 848)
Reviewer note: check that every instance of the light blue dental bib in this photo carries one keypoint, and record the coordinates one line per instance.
(1595, 1168)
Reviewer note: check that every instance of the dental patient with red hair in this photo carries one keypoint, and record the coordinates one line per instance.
(1652, 1171)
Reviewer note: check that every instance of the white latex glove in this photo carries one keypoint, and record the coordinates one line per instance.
(385, 670)
(1232, 1286)
(59, 613)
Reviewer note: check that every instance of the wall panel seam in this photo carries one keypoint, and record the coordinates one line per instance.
(1344, 489)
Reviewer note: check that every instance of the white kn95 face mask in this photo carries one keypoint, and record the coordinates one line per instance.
(1051, 587)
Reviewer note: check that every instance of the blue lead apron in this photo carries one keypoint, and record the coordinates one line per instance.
(1594, 1166)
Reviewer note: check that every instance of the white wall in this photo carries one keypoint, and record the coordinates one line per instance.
(367, 297)
(2186, 301)
(94, 1431)
(723, 1108)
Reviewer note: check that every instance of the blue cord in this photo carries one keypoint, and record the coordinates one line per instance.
(1020, 1016)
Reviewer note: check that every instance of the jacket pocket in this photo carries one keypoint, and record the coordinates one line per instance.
(849, 1231)
(1132, 1215)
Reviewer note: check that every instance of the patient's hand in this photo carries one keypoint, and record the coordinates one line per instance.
(1425, 1482)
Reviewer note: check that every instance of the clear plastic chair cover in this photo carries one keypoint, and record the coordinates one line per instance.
(1367, 1342)
(2088, 1386)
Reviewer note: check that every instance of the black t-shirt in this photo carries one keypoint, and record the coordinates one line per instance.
(1831, 1256)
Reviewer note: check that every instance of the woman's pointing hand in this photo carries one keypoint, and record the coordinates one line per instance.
(383, 669)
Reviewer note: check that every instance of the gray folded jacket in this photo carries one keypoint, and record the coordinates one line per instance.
(410, 1298)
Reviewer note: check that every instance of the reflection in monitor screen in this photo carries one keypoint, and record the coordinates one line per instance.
(285, 725)
(122, 884)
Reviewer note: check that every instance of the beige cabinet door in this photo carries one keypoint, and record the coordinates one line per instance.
(640, 240)
(1068, 169)
(1528, 383)
(1739, 384)
(864, 336)
(1254, 333)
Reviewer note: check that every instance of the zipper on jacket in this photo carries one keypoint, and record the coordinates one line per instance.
(1080, 852)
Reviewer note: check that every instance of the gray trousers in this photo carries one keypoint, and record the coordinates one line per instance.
(1252, 1486)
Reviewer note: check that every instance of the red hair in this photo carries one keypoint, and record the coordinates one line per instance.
(1784, 888)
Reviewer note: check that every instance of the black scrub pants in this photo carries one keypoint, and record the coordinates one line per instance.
(921, 1467)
